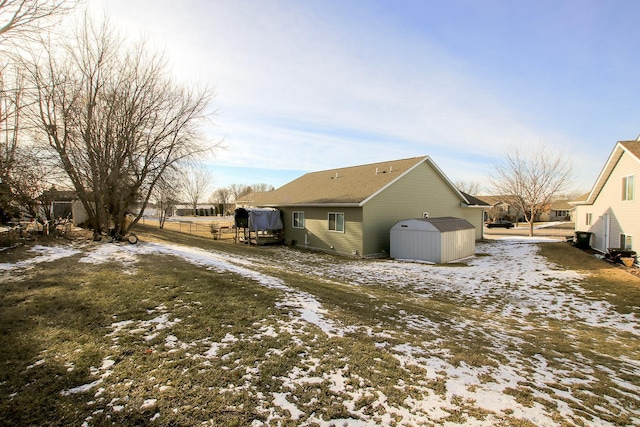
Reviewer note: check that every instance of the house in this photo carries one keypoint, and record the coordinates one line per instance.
(65, 204)
(560, 210)
(499, 207)
(611, 210)
(351, 210)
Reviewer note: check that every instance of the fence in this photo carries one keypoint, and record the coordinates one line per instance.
(222, 228)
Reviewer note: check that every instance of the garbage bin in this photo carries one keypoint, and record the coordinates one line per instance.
(583, 239)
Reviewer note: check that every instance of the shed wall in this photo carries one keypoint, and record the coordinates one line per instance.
(416, 245)
(457, 245)
(432, 246)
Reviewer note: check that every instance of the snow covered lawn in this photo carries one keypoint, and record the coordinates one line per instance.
(159, 334)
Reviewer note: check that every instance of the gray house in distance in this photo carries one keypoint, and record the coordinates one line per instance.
(351, 210)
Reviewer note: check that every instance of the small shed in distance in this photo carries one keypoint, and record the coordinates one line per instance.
(437, 240)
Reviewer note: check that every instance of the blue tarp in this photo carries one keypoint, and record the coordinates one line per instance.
(265, 219)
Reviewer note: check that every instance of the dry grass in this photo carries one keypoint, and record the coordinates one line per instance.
(57, 330)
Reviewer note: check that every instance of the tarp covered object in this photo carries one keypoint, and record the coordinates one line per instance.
(242, 218)
(265, 219)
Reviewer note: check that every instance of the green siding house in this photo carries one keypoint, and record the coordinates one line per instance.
(351, 210)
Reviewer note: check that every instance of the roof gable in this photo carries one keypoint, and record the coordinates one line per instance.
(632, 148)
(349, 186)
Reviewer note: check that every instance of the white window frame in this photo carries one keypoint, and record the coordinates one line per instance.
(589, 218)
(335, 222)
(297, 219)
(628, 188)
(626, 241)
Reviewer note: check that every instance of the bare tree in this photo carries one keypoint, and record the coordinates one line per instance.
(261, 187)
(196, 183)
(222, 197)
(11, 102)
(116, 121)
(530, 180)
(239, 190)
(32, 175)
(24, 19)
(21, 174)
(469, 187)
(19, 162)
(165, 195)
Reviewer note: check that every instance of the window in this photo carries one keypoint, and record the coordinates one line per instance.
(627, 187)
(336, 222)
(298, 219)
(589, 218)
(626, 242)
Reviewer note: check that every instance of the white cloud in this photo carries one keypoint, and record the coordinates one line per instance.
(309, 87)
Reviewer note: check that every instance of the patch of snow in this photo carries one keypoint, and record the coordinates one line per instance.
(280, 399)
(149, 403)
(45, 254)
(81, 388)
(38, 363)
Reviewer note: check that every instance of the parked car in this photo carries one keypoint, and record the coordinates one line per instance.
(500, 223)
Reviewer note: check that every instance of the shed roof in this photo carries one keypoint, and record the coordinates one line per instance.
(443, 224)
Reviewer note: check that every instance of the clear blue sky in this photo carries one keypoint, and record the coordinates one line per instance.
(311, 85)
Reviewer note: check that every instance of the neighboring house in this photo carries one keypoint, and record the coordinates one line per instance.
(611, 211)
(560, 210)
(351, 210)
(65, 204)
(499, 208)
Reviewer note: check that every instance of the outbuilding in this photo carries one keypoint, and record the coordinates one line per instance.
(437, 240)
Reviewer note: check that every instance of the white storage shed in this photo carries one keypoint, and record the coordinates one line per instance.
(437, 240)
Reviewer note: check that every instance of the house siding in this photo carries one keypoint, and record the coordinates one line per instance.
(623, 216)
(316, 234)
(420, 190)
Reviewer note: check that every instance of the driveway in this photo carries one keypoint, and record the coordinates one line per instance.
(559, 230)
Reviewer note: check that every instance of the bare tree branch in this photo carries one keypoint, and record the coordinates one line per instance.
(529, 180)
(24, 19)
(116, 121)
(196, 183)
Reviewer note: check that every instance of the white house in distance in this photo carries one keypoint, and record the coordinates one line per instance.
(611, 211)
